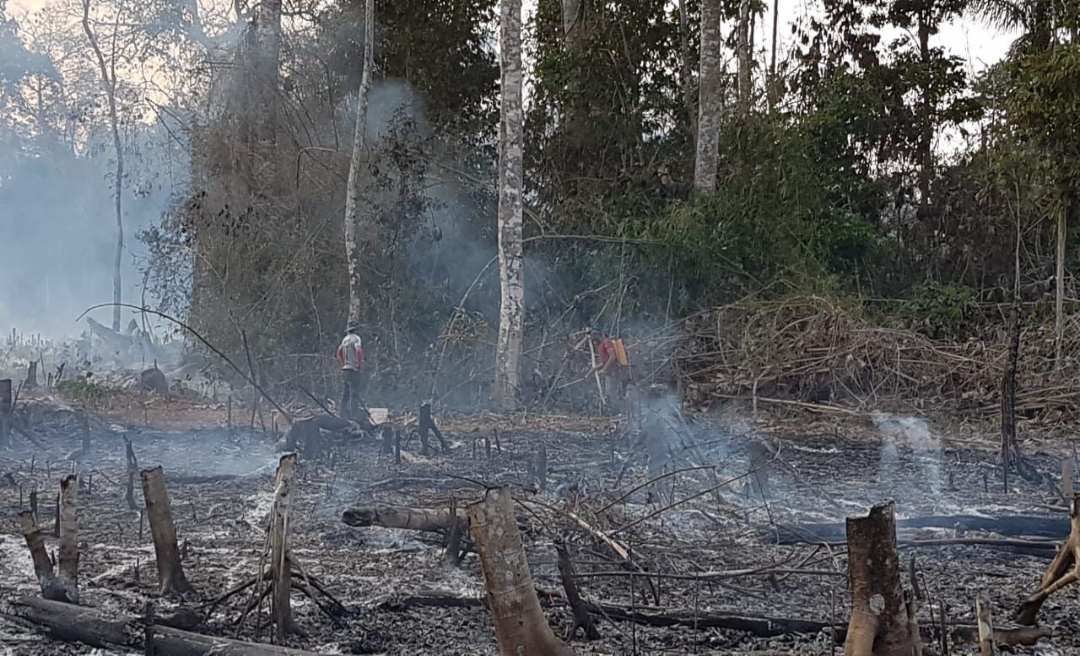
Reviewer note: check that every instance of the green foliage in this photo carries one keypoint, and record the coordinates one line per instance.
(82, 389)
(939, 311)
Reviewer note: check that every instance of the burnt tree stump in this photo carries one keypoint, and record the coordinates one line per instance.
(67, 582)
(520, 626)
(879, 624)
(163, 530)
(6, 408)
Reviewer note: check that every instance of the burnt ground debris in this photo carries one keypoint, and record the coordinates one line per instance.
(220, 484)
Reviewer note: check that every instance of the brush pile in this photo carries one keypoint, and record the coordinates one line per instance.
(812, 350)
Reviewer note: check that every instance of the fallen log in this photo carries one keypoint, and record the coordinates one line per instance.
(1011, 526)
(412, 519)
(758, 625)
(305, 434)
(168, 635)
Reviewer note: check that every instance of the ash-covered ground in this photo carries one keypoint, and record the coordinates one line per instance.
(220, 486)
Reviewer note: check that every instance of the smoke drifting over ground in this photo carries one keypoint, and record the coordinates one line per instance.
(59, 228)
(903, 439)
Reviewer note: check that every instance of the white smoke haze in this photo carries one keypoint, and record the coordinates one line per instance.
(904, 438)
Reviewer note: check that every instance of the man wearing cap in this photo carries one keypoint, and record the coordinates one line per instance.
(351, 356)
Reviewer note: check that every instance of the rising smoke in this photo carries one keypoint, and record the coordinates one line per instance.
(907, 440)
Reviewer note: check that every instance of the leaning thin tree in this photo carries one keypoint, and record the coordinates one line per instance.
(353, 226)
(108, 84)
(511, 166)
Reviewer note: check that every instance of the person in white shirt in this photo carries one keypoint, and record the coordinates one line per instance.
(351, 356)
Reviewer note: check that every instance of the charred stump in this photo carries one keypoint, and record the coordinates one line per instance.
(427, 425)
(153, 380)
(6, 409)
(879, 624)
(170, 571)
(520, 626)
(132, 471)
(1064, 569)
(1011, 457)
(760, 457)
(67, 583)
(985, 621)
(31, 382)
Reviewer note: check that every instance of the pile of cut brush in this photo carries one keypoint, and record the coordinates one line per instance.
(809, 349)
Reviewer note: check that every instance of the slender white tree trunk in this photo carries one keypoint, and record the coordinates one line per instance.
(108, 84)
(511, 258)
(353, 228)
(745, 54)
(708, 137)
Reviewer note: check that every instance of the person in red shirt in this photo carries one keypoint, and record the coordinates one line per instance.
(613, 372)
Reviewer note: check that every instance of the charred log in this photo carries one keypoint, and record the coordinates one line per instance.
(170, 571)
(520, 626)
(413, 519)
(1013, 526)
(168, 636)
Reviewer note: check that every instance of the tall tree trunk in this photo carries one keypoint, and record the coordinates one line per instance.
(745, 58)
(267, 69)
(511, 256)
(926, 127)
(353, 227)
(773, 90)
(708, 134)
(520, 626)
(685, 70)
(108, 84)
(1059, 275)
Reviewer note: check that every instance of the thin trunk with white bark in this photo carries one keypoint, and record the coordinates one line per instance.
(355, 230)
(511, 256)
(708, 133)
(108, 84)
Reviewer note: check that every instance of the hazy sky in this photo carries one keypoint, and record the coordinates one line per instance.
(978, 45)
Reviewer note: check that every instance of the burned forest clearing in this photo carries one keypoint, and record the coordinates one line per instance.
(737, 545)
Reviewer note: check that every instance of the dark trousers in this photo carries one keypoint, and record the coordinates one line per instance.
(351, 394)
